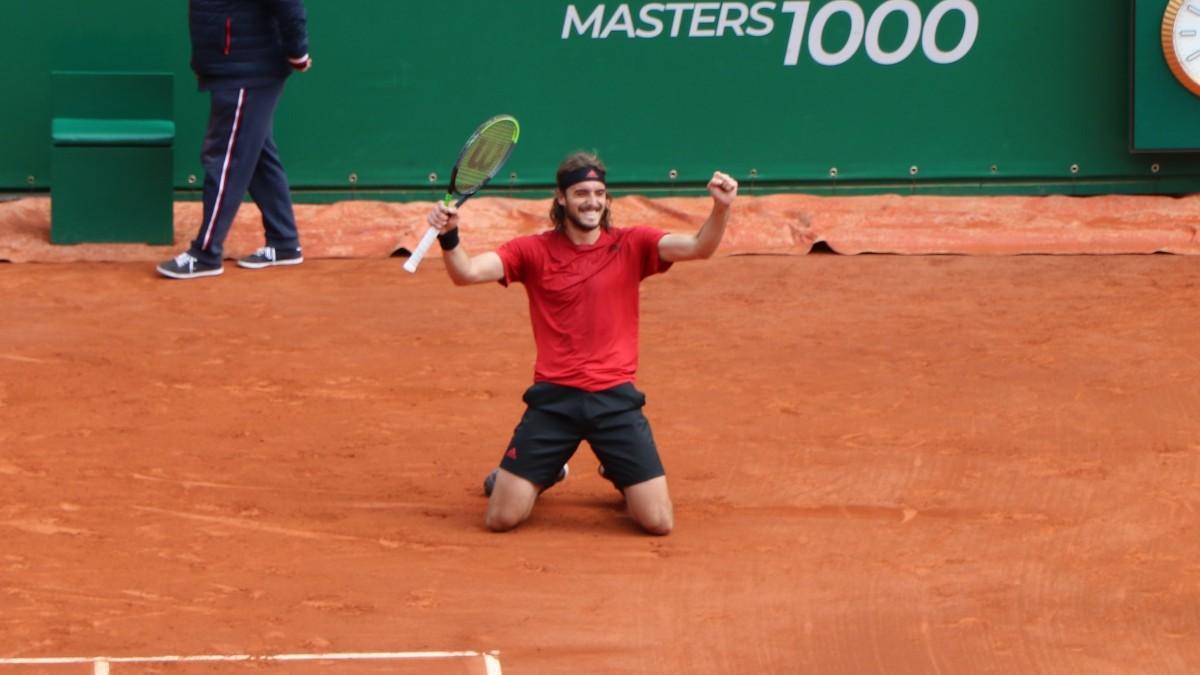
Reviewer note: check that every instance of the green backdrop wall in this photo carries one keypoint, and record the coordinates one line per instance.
(975, 95)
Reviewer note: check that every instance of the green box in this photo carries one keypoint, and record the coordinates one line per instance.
(112, 194)
(112, 158)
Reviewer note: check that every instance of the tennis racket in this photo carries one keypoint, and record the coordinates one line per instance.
(480, 158)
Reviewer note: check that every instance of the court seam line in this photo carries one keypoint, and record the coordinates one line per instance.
(491, 659)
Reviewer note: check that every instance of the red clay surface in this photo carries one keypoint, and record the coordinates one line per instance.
(880, 464)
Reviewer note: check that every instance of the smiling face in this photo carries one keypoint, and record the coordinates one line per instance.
(585, 205)
(581, 203)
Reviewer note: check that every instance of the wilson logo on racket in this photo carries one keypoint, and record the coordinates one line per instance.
(484, 156)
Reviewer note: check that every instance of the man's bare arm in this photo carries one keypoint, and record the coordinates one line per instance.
(680, 247)
(463, 268)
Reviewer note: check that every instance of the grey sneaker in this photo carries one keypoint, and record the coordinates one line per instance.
(489, 483)
(269, 256)
(600, 470)
(186, 266)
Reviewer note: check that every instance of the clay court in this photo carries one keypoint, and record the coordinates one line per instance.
(880, 464)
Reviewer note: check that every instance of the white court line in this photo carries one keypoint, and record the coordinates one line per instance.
(101, 663)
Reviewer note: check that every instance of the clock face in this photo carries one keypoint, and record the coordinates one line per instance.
(1181, 42)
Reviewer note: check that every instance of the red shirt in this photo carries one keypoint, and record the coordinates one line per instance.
(583, 302)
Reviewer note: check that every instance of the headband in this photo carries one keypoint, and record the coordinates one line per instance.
(583, 173)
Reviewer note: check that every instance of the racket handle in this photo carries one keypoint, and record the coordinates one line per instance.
(410, 265)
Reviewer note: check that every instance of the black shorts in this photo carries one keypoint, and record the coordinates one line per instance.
(559, 417)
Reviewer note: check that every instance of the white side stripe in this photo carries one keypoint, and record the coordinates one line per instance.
(237, 122)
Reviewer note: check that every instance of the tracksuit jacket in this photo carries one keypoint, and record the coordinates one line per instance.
(246, 43)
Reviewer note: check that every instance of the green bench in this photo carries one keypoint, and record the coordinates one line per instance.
(112, 157)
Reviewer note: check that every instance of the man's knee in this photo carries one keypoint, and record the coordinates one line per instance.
(511, 502)
(659, 524)
(650, 506)
(502, 521)
(505, 514)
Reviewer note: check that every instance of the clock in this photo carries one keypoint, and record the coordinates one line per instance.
(1181, 42)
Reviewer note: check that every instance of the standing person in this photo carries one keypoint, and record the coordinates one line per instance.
(582, 280)
(243, 52)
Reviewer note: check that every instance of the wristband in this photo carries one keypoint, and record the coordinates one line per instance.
(448, 240)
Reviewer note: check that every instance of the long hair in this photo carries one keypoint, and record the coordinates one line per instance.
(574, 161)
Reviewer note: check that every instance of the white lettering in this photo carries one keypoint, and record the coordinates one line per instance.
(650, 19)
(758, 19)
(913, 36)
(766, 23)
(970, 31)
(699, 18)
(678, 8)
(729, 23)
(573, 21)
(853, 41)
(799, 12)
(621, 21)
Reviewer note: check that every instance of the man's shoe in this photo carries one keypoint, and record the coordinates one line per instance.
(600, 470)
(269, 256)
(489, 483)
(186, 266)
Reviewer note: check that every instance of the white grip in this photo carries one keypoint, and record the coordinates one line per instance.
(410, 265)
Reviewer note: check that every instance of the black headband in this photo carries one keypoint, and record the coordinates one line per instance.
(580, 175)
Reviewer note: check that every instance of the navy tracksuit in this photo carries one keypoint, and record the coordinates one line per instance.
(242, 53)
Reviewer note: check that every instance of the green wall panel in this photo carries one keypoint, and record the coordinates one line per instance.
(1041, 98)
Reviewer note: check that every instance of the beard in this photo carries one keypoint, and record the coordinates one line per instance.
(583, 226)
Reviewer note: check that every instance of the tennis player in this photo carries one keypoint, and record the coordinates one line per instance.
(582, 280)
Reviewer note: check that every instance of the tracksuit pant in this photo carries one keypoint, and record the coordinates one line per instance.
(239, 156)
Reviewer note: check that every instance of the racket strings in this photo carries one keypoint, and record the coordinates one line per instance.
(484, 156)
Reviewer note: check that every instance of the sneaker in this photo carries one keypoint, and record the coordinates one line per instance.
(186, 266)
(269, 256)
(600, 470)
(489, 483)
